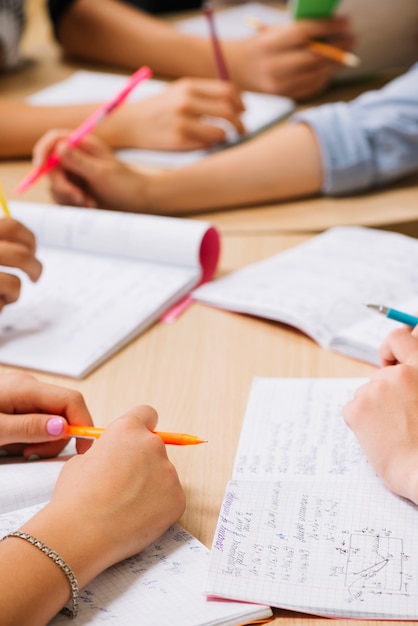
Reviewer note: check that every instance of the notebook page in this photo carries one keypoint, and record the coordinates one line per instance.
(154, 238)
(24, 483)
(321, 286)
(71, 319)
(161, 585)
(364, 338)
(314, 547)
(303, 432)
(138, 267)
(85, 86)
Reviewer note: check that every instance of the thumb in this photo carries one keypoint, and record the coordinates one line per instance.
(31, 428)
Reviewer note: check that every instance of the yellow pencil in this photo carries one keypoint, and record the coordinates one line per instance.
(3, 202)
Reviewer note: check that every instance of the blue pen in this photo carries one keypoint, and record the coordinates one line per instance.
(393, 314)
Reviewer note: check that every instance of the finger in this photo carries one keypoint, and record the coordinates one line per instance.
(47, 144)
(146, 414)
(303, 84)
(32, 452)
(200, 107)
(19, 256)
(33, 396)
(88, 167)
(185, 89)
(399, 346)
(65, 189)
(12, 230)
(214, 89)
(9, 288)
(31, 428)
(196, 134)
(53, 448)
(305, 30)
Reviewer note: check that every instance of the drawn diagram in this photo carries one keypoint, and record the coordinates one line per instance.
(374, 563)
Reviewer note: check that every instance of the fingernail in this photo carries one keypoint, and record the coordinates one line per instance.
(55, 426)
(33, 457)
(4, 453)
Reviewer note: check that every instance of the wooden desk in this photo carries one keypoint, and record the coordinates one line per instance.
(197, 372)
(394, 208)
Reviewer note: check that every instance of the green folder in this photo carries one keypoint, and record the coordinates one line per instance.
(309, 9)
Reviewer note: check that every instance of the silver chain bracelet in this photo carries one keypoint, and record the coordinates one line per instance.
(61, 564)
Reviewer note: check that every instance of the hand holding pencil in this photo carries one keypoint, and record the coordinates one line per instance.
(17, 250)
(277, 59)
(86, 127)
(322, 48)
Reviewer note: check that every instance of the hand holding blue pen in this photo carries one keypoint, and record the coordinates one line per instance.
(394, 314)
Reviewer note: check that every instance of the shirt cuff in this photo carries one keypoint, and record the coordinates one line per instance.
(347, 159)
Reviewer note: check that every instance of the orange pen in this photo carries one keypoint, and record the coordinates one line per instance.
(91, 432)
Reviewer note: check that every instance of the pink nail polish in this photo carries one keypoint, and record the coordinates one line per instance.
(55, 426)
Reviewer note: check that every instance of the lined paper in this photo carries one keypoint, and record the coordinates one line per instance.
(161, 585)
(305, 523)
(321, 287)
(106, 277)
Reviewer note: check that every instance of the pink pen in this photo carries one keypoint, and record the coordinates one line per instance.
(86, 127)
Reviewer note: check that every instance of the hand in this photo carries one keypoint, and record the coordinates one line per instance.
(90, 175)
(384, 415)
(17, 249)
(400, 346)
(278, 60)
(178, 118)
(33, 416)
(106, 509)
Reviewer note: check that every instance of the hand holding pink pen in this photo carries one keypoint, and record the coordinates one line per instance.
(86, 127)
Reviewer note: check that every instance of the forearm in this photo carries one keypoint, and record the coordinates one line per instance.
(31, 122)
(115, 33)
(32, 587)
(280, 164)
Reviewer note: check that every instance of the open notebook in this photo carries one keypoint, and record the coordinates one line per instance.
(161, 585)
(262, 110)
(305, 523)
(321, 287)
(107, 276)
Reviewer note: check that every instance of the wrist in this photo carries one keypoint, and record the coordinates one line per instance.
(71, 536)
